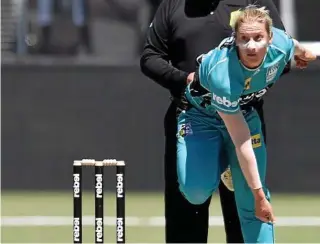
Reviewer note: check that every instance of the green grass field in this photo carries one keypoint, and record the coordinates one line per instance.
(21, 212)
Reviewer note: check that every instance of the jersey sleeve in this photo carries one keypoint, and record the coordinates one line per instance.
(285, 42)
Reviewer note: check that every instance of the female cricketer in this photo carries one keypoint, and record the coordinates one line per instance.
(219, 118)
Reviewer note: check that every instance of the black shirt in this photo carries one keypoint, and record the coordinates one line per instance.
(184, 29)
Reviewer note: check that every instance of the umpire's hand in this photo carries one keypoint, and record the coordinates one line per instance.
(190, 77)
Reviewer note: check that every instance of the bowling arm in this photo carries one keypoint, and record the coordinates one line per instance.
(240, 135)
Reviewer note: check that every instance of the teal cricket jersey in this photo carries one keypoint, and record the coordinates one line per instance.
(229, 84)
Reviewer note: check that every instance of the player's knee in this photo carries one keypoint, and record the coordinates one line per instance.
(195, 195)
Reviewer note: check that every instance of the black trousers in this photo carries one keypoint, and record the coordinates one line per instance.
(187, 223)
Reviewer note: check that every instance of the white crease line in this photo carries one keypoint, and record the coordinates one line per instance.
(136, 221)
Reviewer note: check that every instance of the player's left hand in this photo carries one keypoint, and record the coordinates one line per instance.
(303, 59)
(307, 56)
(301, 64)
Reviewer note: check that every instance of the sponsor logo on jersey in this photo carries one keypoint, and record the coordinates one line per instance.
(256, 141)
(245, 99)
(247, 83)
(253, 97)
(272, 72)
(224, 101)
(185, 130)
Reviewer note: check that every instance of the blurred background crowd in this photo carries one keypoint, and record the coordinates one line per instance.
(75, 27)
(112, 29)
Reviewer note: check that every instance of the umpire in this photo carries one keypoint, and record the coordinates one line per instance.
(181, 31)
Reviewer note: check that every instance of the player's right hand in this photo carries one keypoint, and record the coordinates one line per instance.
(263, 210)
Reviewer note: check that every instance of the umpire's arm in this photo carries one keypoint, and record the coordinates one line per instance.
(154, 61)
(277, 22)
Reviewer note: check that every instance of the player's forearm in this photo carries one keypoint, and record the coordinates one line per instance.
(248, 162)
(240, 135)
